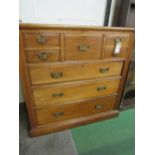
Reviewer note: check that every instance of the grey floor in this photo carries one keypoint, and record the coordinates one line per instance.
(60, 143)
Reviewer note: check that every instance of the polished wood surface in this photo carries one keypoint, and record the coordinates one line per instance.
(31, 39)
(43, 55)
(26, 84)
(58, 94)
(109, 43)
(72, 27)
(43, 74)
(91, 43)
(63, 112)
(66, 71)
(71, 123)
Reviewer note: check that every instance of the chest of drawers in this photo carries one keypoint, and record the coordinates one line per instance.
(72, 75)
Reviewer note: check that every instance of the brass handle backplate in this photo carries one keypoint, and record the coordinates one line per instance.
(58, 114)
(101, 88)
(98, 106)
(56, 75)
(41, 39)
(83, 47)
(42, 56)
(104, 70)
(58, 94)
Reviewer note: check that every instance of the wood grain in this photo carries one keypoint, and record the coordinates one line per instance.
(110, 43)
(69, 111)
(66, 124)
(125, 71)
(41, 74)
(72, 27)
(62, 47)
(30, 39)
(32, 56)
(73, 43)
(74, 91)
(26, 85)
(79, 73)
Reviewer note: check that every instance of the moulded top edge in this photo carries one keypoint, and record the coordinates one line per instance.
(72, 27)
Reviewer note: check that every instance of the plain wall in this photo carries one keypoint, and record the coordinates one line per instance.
(76, 12)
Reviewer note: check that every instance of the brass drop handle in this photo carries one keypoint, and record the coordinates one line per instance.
(42, 56)
(104, 70)
(56, 75)
(41, 39)
(58, 114)
(58, 95)
(101, 88)
(98, 106)
(83, 48)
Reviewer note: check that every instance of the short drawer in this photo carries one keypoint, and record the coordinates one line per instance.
(82, 47)
(34, 39)
(43, 74)
(73, 110)
(61, 93)
(110, 42)
(35, 56)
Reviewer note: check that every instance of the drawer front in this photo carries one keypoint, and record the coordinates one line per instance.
(64, 112)
(68, 72)
(110, 42)
(82, 47)
(35, 39)
(60, 93)
(34, 56)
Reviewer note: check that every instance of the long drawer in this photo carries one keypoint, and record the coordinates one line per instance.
(44, 74)
(64, 112)
(60, 93)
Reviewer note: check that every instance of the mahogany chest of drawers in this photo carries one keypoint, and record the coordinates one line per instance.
(72, 75)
